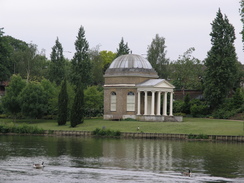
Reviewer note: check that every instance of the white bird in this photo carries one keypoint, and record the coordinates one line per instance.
(38, 166)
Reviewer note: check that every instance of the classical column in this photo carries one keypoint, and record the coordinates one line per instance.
(138, 103)
(165, 104)
(153, 103)
(171, 104)
(159, 103)
(145, 103)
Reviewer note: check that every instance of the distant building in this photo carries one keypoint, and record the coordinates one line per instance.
(132, 90)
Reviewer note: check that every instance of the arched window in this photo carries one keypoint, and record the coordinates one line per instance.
(113, 101)
(130, 101)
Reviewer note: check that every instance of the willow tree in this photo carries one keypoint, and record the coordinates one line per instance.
(221, 62)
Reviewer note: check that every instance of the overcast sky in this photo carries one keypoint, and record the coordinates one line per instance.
(183, 23)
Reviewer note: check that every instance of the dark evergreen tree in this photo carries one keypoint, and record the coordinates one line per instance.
(186, 106)
(63, 104)
(221, 62)
(77, 112)
(81, 65)
(57, 71)
(242, 20)
(156, 55)
(4, 54)
(123, 49)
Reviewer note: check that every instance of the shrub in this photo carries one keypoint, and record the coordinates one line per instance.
(12, 128)
(200, 136)
(104, 132)
(199, 110)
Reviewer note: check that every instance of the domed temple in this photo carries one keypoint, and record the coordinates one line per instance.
(132, 90)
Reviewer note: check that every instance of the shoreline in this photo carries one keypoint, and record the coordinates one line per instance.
(140, 135)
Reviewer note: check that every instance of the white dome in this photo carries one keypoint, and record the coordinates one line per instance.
(130, 61)
(131, 65)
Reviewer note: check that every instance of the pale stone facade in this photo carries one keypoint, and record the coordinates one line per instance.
(132, 90)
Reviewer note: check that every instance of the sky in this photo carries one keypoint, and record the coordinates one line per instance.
(183, 24)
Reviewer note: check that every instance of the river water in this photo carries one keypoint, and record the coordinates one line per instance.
(98, 160)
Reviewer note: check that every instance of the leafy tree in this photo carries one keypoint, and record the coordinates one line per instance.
(51, 92)
(156, 55)
(4, 54)
(93, 101)
(63, 104)
(242, 20)
(221, 62)
(107, 58)
(81, 65)
(187, 72)
(57, 66)
(237, 99)
(97, 66)
(77, 112)
(10, 101)
(123, 48)
(186, 106)
(33, 100)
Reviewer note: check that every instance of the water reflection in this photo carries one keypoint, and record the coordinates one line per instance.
(120, 160)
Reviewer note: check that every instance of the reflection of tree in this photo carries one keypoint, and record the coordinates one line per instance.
(220, 161)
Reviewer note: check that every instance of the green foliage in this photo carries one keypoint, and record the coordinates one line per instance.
(22, 129)
(81, 65)
(156, 55)
(199, 110)
(221, 63)
(178, 105)
(200, 136)
(106, 132)
(242, 19)
(77, 113)
(63, 104)
(10, 101)
(107, 57)
(57, 65)
(123, 48)
(186, 106)
(93, 102)
(187, 72)
(51, 92)
(33, 100)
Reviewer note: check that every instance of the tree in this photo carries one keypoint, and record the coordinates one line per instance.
(77, 112)
(107, 58)
(51, 92)
(123, 48)
(81, 65)
(63, 104)
(93, 101)
(242, 20)
(10, 101)
(221, 62)
(57, 66)
(33, 100)
(187, 72)
(97, 66)
(156, 55)
(4, 54)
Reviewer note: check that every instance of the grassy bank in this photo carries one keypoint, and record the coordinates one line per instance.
(188, 126)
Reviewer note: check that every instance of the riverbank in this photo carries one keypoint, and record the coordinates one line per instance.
(139, 135)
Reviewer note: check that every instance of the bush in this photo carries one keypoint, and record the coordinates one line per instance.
(178, 105)
(104, 132)
(12, 128)
(199, 110)
(200, 136)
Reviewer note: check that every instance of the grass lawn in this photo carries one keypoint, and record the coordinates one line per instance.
(188, 126)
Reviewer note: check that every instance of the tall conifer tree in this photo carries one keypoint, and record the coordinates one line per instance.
(81, 64)
(123, 48)
(221, 62)
(57, 67)
(77, 112)
(63, 104)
